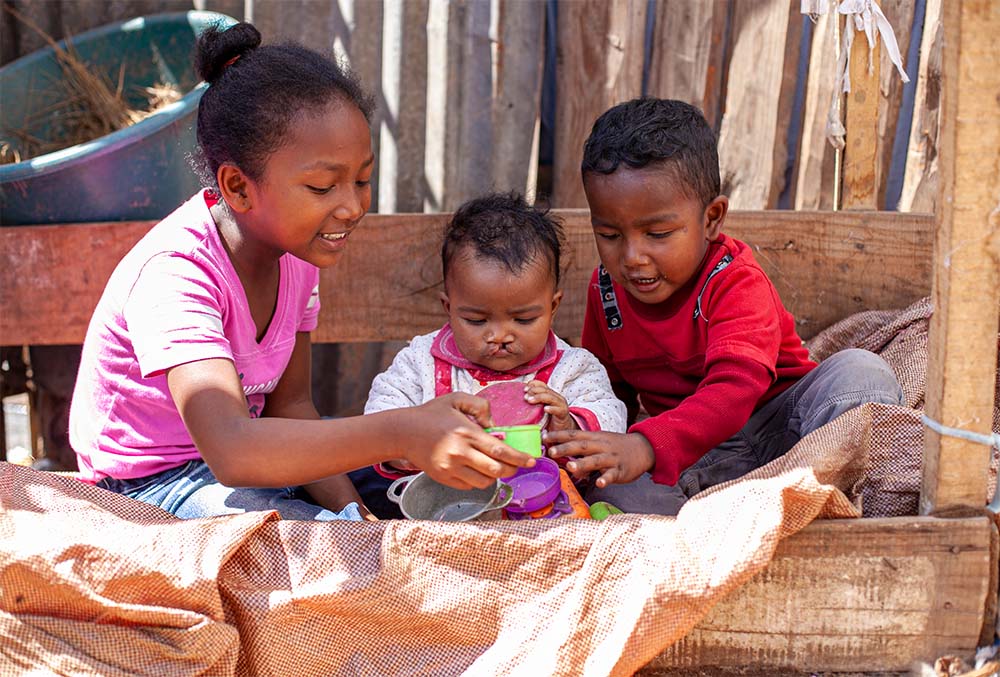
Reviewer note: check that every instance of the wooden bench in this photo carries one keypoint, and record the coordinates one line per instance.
(826, 265)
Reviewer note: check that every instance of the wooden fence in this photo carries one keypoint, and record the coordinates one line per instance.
(461, 84)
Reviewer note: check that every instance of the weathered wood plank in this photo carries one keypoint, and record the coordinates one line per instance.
(920, 181)
(752, 138)
(829, 265)
(962, 356)
(518, 57)
(844, 595)
(599, 63)
(816, 169)
(862, 181)
(402, 132)
(826, 265)
(688, 53)
(900, 15)
(469, 147)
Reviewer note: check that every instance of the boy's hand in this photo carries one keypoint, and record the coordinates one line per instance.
(620, 458)
(555, 404)
(444, 440)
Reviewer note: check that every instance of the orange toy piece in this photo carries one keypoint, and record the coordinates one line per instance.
(580, 508)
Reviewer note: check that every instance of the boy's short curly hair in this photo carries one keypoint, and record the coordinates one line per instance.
(650, 131)
(505, 228)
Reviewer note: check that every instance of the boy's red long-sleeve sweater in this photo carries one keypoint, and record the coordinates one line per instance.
(702, 361)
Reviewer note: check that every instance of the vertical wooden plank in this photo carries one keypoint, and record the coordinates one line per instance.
(688, 52)
(404, 95)
(518, 59)
(718, 63)
(873, 112)
(761, 86)
(364, 53)
(816, 171)
(436, 123)
(469, 137)
(307, 22)
(599, 61)
(410, 119)
(233, 8)
(920, 182)
(900, 16)
(962, 360)
(459, 124)
(861, 180)
(482, 116)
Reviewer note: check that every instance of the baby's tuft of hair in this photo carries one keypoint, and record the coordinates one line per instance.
(218, 45)
(503, 227)
(255, 93)
(659, 132)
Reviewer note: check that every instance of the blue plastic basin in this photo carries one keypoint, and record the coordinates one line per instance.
(140, 172)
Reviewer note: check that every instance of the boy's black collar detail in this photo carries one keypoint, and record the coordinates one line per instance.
(612, 315)
(723, 262)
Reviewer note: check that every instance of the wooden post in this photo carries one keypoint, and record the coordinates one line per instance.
(862, 182)
(599, 63)
(962, 361)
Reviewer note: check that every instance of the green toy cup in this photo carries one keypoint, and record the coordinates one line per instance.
(526, 438)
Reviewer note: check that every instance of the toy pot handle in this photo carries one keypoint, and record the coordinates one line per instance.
(396, 489)
(505, 492)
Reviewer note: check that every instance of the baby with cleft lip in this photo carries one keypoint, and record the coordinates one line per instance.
(501, 265)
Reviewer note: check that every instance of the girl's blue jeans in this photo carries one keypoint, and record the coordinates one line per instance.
(191, 490)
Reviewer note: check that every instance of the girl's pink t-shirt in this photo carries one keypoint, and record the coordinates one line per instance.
(175, 298)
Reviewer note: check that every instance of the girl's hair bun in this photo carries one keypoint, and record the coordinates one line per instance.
(217, 47)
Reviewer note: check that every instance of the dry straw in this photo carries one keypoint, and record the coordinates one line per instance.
(91, 108)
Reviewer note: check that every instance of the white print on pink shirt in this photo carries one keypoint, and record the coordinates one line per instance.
(260, 387)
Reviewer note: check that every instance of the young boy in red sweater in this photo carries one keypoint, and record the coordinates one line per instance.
(687, 323)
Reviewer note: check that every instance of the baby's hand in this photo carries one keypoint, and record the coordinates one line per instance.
(555, 404)
(620, 458)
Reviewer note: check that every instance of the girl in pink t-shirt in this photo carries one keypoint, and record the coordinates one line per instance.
(194, 385)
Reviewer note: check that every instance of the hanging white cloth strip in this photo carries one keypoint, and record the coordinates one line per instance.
(862, 15)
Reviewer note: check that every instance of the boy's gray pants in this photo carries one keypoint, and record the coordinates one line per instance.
(841, 382)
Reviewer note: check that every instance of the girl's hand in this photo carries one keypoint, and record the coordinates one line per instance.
(620, 458)
(555, 404)
(447, 441)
